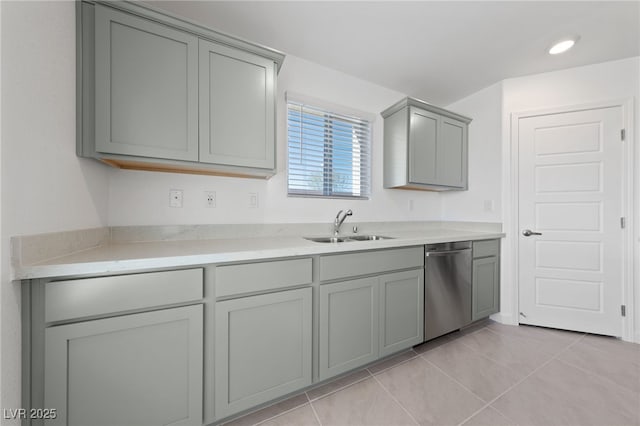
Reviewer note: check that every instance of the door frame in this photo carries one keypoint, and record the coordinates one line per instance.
(630, 210)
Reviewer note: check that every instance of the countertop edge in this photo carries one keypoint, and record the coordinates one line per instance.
(306, 248)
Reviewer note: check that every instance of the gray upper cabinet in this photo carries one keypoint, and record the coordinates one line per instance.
(156, 92)
(141, 369)
(237, 111)
(146, 88)
(423, 135)
(425, 147)
(452, 153)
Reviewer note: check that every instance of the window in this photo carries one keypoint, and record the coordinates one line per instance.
(329, 153)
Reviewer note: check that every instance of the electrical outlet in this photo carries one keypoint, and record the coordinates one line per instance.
(253, 200)
(210, 199)
(410, 205)
(175, 198)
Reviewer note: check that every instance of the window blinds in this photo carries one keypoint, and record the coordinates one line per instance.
(329, 153)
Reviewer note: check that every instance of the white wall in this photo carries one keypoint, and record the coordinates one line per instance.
(609, 81)
(137, 198)
(1, 245)
(45, 187)
(483, 200)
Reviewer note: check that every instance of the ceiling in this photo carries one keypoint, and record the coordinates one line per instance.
(439, 51)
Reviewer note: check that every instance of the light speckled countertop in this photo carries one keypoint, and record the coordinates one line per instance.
(122, 257)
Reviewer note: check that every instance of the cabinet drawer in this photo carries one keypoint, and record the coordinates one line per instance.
(486, 248)
(262, 276)
(66, 300)
(370, 262)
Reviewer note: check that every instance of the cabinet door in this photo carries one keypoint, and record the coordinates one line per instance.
(141, 369)
(262, 349)
(146, 88)
(452, 153)
(401, 311)
(486, 287)
(348, 325)
(237, 107)
(423, 137)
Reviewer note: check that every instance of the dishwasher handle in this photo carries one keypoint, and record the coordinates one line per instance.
(446, 252)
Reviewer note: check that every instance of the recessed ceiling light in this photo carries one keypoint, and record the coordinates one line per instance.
(563, 46)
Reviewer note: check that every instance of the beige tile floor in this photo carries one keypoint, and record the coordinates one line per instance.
(490, 375)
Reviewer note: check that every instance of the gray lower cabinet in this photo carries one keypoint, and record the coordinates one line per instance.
(262, 348)
(364, 319)
(485, 281)
(139, 369)
(348, 325)
(401, 311)
(425, 147)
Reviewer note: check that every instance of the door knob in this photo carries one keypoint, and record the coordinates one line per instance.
(529, 232)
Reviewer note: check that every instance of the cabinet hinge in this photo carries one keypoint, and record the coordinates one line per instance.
(623, 222)
(623, 134)
(623, 310)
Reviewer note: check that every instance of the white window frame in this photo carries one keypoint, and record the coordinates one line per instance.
(338, 110)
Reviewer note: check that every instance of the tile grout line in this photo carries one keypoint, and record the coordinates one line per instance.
(340, 388)
(396, 400)
(452, 378)
(487, 404)
(497, 333)
(281, 413)
(520, 381)
(310, 400)
(495, 361)
(591, 373)
(315, 413)
(394, 365)
(421, 355)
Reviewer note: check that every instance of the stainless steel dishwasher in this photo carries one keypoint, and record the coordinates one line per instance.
(447, 294)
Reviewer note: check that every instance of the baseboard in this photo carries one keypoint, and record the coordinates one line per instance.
(503, 318)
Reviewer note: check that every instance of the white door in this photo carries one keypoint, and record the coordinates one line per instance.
(570, 191)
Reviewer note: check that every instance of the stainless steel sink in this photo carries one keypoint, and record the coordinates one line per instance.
(369, 238)
(327, 239)
(347, 239)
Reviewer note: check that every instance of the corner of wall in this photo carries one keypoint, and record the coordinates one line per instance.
(2, 253)
(483, 200)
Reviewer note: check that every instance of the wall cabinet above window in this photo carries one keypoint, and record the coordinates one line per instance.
(160, 93)
(425, 147)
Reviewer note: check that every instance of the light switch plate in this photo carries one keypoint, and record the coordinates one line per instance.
(253, 200)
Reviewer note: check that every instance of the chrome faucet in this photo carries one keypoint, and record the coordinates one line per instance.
(338, 221)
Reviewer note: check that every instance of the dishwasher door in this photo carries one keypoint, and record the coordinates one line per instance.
(447, 305)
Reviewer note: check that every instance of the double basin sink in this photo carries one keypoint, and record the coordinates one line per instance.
(347, 239)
